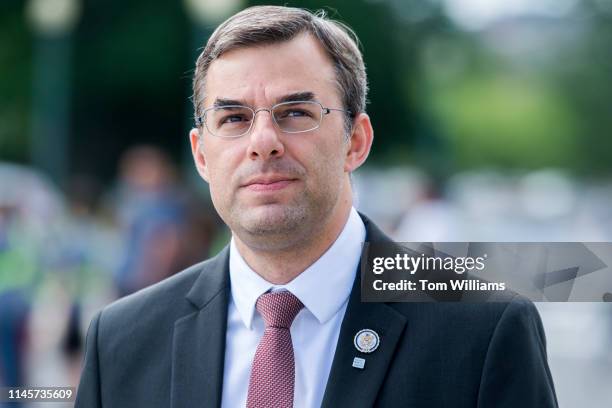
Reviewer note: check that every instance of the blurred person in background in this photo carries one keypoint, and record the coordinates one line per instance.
(86, 257)
(151, 213)
(164, 229)
(28, 207)
(50, 259)
(16, 274)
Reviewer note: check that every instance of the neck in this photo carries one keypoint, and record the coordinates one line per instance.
(282, 266)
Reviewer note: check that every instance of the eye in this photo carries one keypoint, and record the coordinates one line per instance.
(229, 119)
(294, 113)
(297, 113)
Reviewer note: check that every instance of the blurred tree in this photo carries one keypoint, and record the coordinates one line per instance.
(583, 72)
(131, 66)
(15, 73)
(523, 93)
(502, 121)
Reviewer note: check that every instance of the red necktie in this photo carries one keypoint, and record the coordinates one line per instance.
(273, 373)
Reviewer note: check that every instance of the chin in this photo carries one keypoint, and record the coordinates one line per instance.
(272, 219)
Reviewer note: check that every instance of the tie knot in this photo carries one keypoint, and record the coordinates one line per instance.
(278, 309)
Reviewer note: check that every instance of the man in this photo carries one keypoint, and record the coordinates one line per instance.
(276, 319)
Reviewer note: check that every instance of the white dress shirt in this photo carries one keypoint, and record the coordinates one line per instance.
(323, 288)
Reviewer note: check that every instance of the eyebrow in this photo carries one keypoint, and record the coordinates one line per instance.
(292, 97)
(297, 96)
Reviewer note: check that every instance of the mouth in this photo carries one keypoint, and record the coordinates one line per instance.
(270, 183)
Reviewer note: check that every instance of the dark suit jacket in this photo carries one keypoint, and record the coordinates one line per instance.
(164, 347)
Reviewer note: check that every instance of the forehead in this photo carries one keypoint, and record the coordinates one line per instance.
(260, 74)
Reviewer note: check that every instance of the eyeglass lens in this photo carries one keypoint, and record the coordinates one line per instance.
(290, 117)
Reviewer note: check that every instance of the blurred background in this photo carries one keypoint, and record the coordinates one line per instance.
(492, 121)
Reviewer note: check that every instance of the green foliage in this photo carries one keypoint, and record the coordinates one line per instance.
(506, 122)
(440, 97)
(15, 68)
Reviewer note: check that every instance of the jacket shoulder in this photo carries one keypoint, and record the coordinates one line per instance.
(470, 319)
(156, 306)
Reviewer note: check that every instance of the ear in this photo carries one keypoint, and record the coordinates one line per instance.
(198, 153)
(360, 142)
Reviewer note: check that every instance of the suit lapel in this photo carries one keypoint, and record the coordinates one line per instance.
(350, 386)
(199, 339)
(354, 387)
(199, 342)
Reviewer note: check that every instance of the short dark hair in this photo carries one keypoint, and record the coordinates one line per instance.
(269, 24)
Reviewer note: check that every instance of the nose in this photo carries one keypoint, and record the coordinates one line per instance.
(265, 142)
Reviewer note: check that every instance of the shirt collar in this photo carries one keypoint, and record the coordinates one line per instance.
(323, 287)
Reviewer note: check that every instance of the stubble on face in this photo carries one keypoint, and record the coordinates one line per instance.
(276, 223)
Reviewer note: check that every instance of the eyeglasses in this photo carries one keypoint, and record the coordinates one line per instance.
(231, 121)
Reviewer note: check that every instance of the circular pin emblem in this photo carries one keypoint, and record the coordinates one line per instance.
(366, 340)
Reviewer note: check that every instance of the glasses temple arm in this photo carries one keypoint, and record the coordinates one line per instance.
(328, 110)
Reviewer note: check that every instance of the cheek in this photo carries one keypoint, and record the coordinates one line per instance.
(219, 168)
(327, 164)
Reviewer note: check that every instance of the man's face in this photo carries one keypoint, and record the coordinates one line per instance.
(268, 186)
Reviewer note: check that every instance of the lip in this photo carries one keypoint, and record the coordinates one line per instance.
(268, 183)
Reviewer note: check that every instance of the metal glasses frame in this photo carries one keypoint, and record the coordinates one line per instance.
(200, 120)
